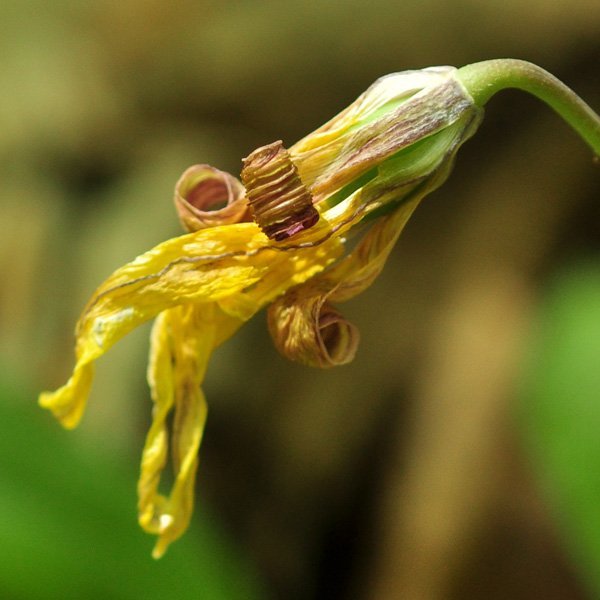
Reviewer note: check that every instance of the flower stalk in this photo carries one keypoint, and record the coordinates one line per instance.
(484, 79)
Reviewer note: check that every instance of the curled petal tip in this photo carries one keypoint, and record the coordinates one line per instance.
(207, 197)
(311, 331)
(337, 337)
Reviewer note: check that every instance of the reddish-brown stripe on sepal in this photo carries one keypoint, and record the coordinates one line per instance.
(281, 204)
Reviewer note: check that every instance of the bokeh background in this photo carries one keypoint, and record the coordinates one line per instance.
(457, 457)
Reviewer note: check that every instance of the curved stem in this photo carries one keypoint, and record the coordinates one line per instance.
(482, 80)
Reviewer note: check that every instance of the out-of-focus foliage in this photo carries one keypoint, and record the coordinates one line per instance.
(560, 406)
(69, 528)
(401, 475)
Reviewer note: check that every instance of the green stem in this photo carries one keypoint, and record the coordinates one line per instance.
(484, 79)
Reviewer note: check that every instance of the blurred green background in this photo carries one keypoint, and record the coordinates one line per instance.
(456, 458)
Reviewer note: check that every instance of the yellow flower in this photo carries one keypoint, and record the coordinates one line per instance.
(378, 158)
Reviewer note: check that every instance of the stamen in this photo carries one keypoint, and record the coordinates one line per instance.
(281, 204)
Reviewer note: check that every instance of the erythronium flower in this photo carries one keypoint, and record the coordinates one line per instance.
(279, 241)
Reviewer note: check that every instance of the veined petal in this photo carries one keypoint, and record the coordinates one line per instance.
(194, 267)
(309, 330)
(208, 265)
(357, 271)
(397, 111)
(234, 264)
(181, 343)
(306, 262)
(386, 93)
(305, 326)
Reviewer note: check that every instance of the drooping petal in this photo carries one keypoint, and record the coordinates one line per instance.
(181, 343)
(309, 330)
(305, 326)
(234, 264)
(357, 271)
(68, 402)
(151, 504)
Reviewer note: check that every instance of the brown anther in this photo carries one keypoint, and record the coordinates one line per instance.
(281, 204)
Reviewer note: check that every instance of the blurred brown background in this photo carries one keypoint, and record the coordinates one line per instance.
(404, 474)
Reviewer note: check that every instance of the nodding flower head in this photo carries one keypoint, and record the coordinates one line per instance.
(277, 239)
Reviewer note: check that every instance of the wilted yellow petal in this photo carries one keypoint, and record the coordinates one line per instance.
(68, 402)
(309, 330)
(181, 343)
(236, 265)
(357, 271)
(304, 325)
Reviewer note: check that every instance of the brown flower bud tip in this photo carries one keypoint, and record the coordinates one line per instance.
(281, 204)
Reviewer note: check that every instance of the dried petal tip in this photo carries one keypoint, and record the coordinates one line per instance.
(281, 204)
(309, 330)
(207, 197)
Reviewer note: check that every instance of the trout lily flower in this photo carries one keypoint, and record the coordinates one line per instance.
(279, 241)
